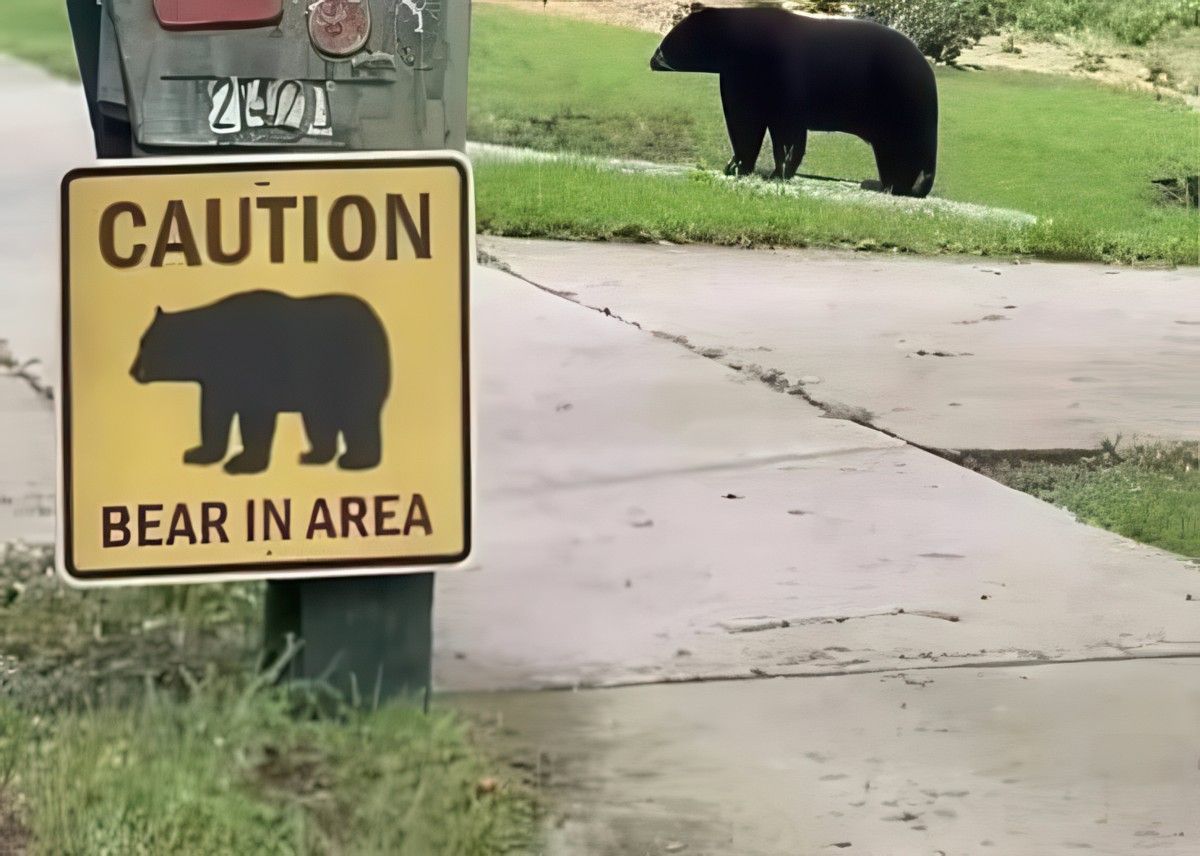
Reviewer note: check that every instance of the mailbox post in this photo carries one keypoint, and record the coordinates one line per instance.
(213, 78)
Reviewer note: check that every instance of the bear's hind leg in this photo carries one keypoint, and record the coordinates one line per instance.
(215, 418)
(914, 173)
(745, 122)
(258, 431)
(364, 445)
(886, 159)
(790, 152)
(901, 170)
(322, 438)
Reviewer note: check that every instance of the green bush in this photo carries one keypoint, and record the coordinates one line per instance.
(1135, 23)
(942, 29)
(1138, 23)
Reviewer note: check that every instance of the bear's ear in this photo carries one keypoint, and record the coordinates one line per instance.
(696, 7)
(158, 312)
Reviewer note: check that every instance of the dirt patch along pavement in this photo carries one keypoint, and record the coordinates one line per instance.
(14, 835)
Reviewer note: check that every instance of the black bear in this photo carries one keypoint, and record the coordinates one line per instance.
(792, 74)
(261, 353)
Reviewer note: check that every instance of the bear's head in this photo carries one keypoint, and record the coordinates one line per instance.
(159, 355)
(694, 44)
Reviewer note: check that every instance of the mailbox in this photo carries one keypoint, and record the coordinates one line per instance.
(197, 76)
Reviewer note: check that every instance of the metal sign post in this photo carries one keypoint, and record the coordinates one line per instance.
(196, 77)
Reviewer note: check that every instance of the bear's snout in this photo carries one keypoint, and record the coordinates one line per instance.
(658, 62)
(136, 371)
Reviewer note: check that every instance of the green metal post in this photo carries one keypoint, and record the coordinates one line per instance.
(371, 638)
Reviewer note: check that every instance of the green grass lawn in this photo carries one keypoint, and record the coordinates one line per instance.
(36, 30)
(1078, 156)
(132, 722)
(1150, 493)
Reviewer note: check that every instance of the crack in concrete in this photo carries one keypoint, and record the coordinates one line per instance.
(724, 466)
(760, 623)
(772, 378)
(758, 672)
(23, 370)
(776, 379)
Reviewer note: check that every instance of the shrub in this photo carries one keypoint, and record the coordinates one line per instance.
(825, 7)
(1131, 22)
(942, 29)
(1138, 23)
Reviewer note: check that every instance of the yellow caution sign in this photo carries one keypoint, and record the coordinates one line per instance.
(265, 368)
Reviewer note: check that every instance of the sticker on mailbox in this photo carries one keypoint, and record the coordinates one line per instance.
(265, 368)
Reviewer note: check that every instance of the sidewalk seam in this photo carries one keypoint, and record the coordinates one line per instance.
(772, 378)
(762, 675)
(723, 466)
(776, 380)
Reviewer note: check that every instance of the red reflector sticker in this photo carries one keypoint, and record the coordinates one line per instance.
(339, 27)
(217, 14)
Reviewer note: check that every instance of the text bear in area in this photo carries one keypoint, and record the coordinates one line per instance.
(151, 524)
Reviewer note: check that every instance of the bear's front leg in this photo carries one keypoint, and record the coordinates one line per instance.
(258, 432)
(215, 419)
(745, 121)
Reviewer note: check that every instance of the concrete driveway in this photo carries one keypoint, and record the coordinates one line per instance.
(946, 353)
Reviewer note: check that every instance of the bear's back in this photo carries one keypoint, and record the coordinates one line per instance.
(331, 341)
(828, 40)
(842, 74)
(272, 311)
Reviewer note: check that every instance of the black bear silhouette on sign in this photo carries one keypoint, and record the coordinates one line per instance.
(262, 353)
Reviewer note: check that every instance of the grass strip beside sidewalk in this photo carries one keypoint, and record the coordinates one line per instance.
(1150, 492)
(134, 721)
(582, 201)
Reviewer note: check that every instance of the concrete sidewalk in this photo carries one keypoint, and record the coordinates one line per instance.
(1063, 759)
(947, 353)
(54, 136)
(647, 514)
(26, 463)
